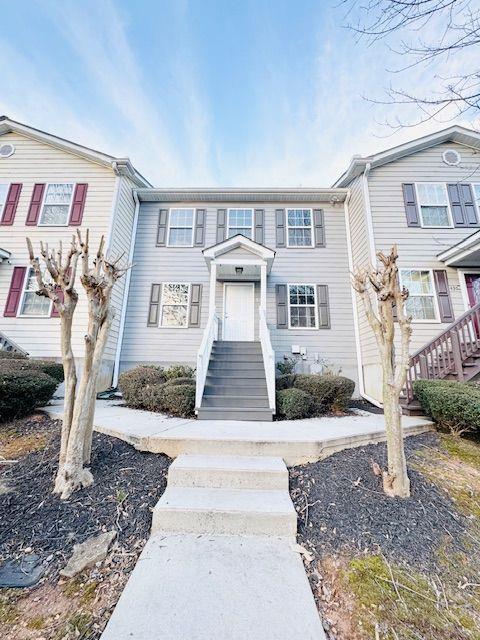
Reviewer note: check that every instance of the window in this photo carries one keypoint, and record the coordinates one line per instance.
(56, 204)
(33, 305)
(3, 196)
(421, 303)
(180, 232)
(302, 306)
(175, 297)
(299, 226)
(433, 204)
(475, 187)
(240, 221)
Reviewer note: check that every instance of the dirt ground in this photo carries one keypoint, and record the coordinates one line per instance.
(128, 484)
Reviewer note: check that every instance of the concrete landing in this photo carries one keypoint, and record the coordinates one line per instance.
(207, 587)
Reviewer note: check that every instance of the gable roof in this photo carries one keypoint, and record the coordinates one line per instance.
(455, 133)
(120, 166)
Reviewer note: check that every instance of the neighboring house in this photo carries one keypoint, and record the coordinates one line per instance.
(264, 266)
(49, 188)
(424, 195)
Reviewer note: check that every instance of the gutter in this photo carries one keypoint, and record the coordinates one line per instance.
(121, 329)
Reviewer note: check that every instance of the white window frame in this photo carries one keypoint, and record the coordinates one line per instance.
(63, 224)
(2, 204)
(435, 320)
(426, 204)
(476, 202)
(288, 227)
(194, 224)
(22, 298)
(302, 284)
(229, 226)
(162, 298)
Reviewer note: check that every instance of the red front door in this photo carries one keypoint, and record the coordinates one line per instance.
(472, 280)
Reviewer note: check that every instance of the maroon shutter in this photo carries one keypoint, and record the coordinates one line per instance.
(469, 210)
(59, 293)
(35, 205)
(411, 208)
(11, 203)
(78, 205)
(458, 212)
(443, 295)
(13, 298)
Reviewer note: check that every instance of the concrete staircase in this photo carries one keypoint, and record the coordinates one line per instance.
(235, 387)
(233, 495)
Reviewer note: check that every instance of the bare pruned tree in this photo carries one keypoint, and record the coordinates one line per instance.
(429, 30)
(380, 291)
(56, 280)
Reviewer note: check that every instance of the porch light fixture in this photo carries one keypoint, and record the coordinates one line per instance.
(239, 271)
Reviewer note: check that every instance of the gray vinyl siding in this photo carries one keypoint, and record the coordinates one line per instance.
(328, 265)
(417, 247)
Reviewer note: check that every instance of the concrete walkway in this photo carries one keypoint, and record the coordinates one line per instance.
(295, 441)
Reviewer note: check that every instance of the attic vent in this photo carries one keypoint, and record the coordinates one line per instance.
(6, 150)
(451, 157)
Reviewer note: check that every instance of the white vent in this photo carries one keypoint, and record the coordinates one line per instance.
(451, 157)
(6, 150)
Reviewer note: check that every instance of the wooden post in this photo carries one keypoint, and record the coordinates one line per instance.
(457, 355)
(213, 288)
(263, 287)
(422, 360)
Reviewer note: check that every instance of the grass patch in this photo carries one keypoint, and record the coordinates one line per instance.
(36, 623)
(15, 446)
(8, 608)
(462, 449)
(392, 602)
(77, 626)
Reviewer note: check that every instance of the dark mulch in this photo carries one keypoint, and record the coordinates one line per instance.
(128, 484)
(361, 403)
(348, 511)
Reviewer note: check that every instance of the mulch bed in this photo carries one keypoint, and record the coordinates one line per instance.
(342, 507)
(128, 483)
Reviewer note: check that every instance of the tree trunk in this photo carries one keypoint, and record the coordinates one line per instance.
(396, 482)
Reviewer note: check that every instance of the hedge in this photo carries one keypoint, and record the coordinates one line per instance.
(285, 381)
(53, 369)
(331, 393)
(176, 399)
(179, 371)
(177, 381)
(135, 382)
(453, 405)
(295, 404)
(22, 390)
(11, 355)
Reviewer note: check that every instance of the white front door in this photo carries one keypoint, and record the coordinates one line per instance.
(238, 311)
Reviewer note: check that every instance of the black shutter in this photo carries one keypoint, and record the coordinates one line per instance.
(282, 306)
(319, 227)
(221, 225)
(443, 295)
(195, 305)
(280, 227)
(162, 228)
(458, 213)
(468, 204)
(154, 305)
(323, 306)
(258, 226)
(200, 228)
(411, 208)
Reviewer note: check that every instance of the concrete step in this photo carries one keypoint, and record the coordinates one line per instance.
(247, 401)
(235, 413)
(242, 387)
(235, 472)
(225, 512)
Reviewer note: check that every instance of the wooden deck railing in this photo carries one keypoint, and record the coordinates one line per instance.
(446, 353)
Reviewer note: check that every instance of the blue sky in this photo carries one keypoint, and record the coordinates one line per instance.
(205, 92)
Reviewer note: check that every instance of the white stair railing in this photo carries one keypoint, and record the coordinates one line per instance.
(203, 356)
(268, 358)
(7, 344)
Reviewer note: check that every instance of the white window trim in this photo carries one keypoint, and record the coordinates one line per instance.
(287, 226)
(302, 284)
(449, 211)
(2, 206)
(194, 225)
(252, 227)
(477, 204)
(186, 326)
(22, 299)
(436, 320)
(45, 191)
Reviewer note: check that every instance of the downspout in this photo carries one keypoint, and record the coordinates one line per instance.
(368, 214)
(121, 329)
(356, 325)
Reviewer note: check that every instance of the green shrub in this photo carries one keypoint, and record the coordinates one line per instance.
(53, 369)
(285, 382)
(453, 405)
(331, 393)
(179, 400)
(294, 404)
(176, 381)
(179, 371)
(287, 365)
(153, 397)
(11, 355)
(135, 382)
(21, 391)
